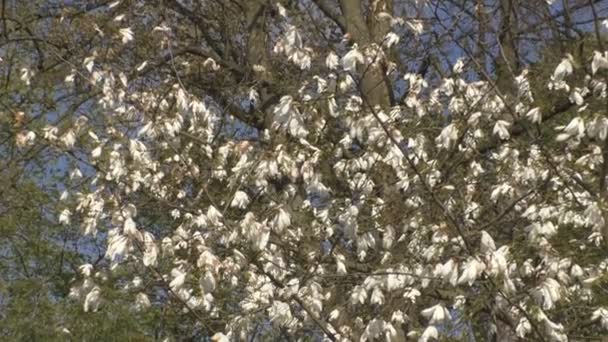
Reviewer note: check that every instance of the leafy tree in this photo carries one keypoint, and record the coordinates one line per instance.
(310, 170)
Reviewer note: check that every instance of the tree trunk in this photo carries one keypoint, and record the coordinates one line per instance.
(373, 80)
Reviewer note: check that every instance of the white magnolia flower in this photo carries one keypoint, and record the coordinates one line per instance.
(600, 61)
(126, 34)
(523, 328)
(332, 61)
(162, 28)
(64, 217)
(26, 75)
(86, 269)
(92, 300)
(430, 333)
(501, 128)
(179, 278)
(564, 68)
(448, 137)
(214, 216)
(219, 337)
(150, 250)
(577, 272)
(576, 97)
(358, 295)
(377, 298)
(352, 58)
(601, 315)
(555, 330)
(390, 39)
(129, 228)
(534, 115)
(373, 329)
(210, 64)
(142, 301)
(548, 293)
(575, 127)
(25, 139)
(280, 313)
(598, 128)
(68, 139)
(436, 314)
(117, 246)
(487, 243)
(240, 200)
(471, 271)
(448, 271)
(289, 117)
(281, 220)
(523, 86)
(458, 66)
(340, 264)
(334, 314)
(498, 261)
(417, 26)
(88, 63)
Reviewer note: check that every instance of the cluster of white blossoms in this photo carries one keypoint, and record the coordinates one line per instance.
(340, 219)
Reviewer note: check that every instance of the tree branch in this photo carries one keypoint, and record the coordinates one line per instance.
(331, 14)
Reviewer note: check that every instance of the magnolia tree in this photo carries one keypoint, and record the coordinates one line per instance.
(283, 173)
